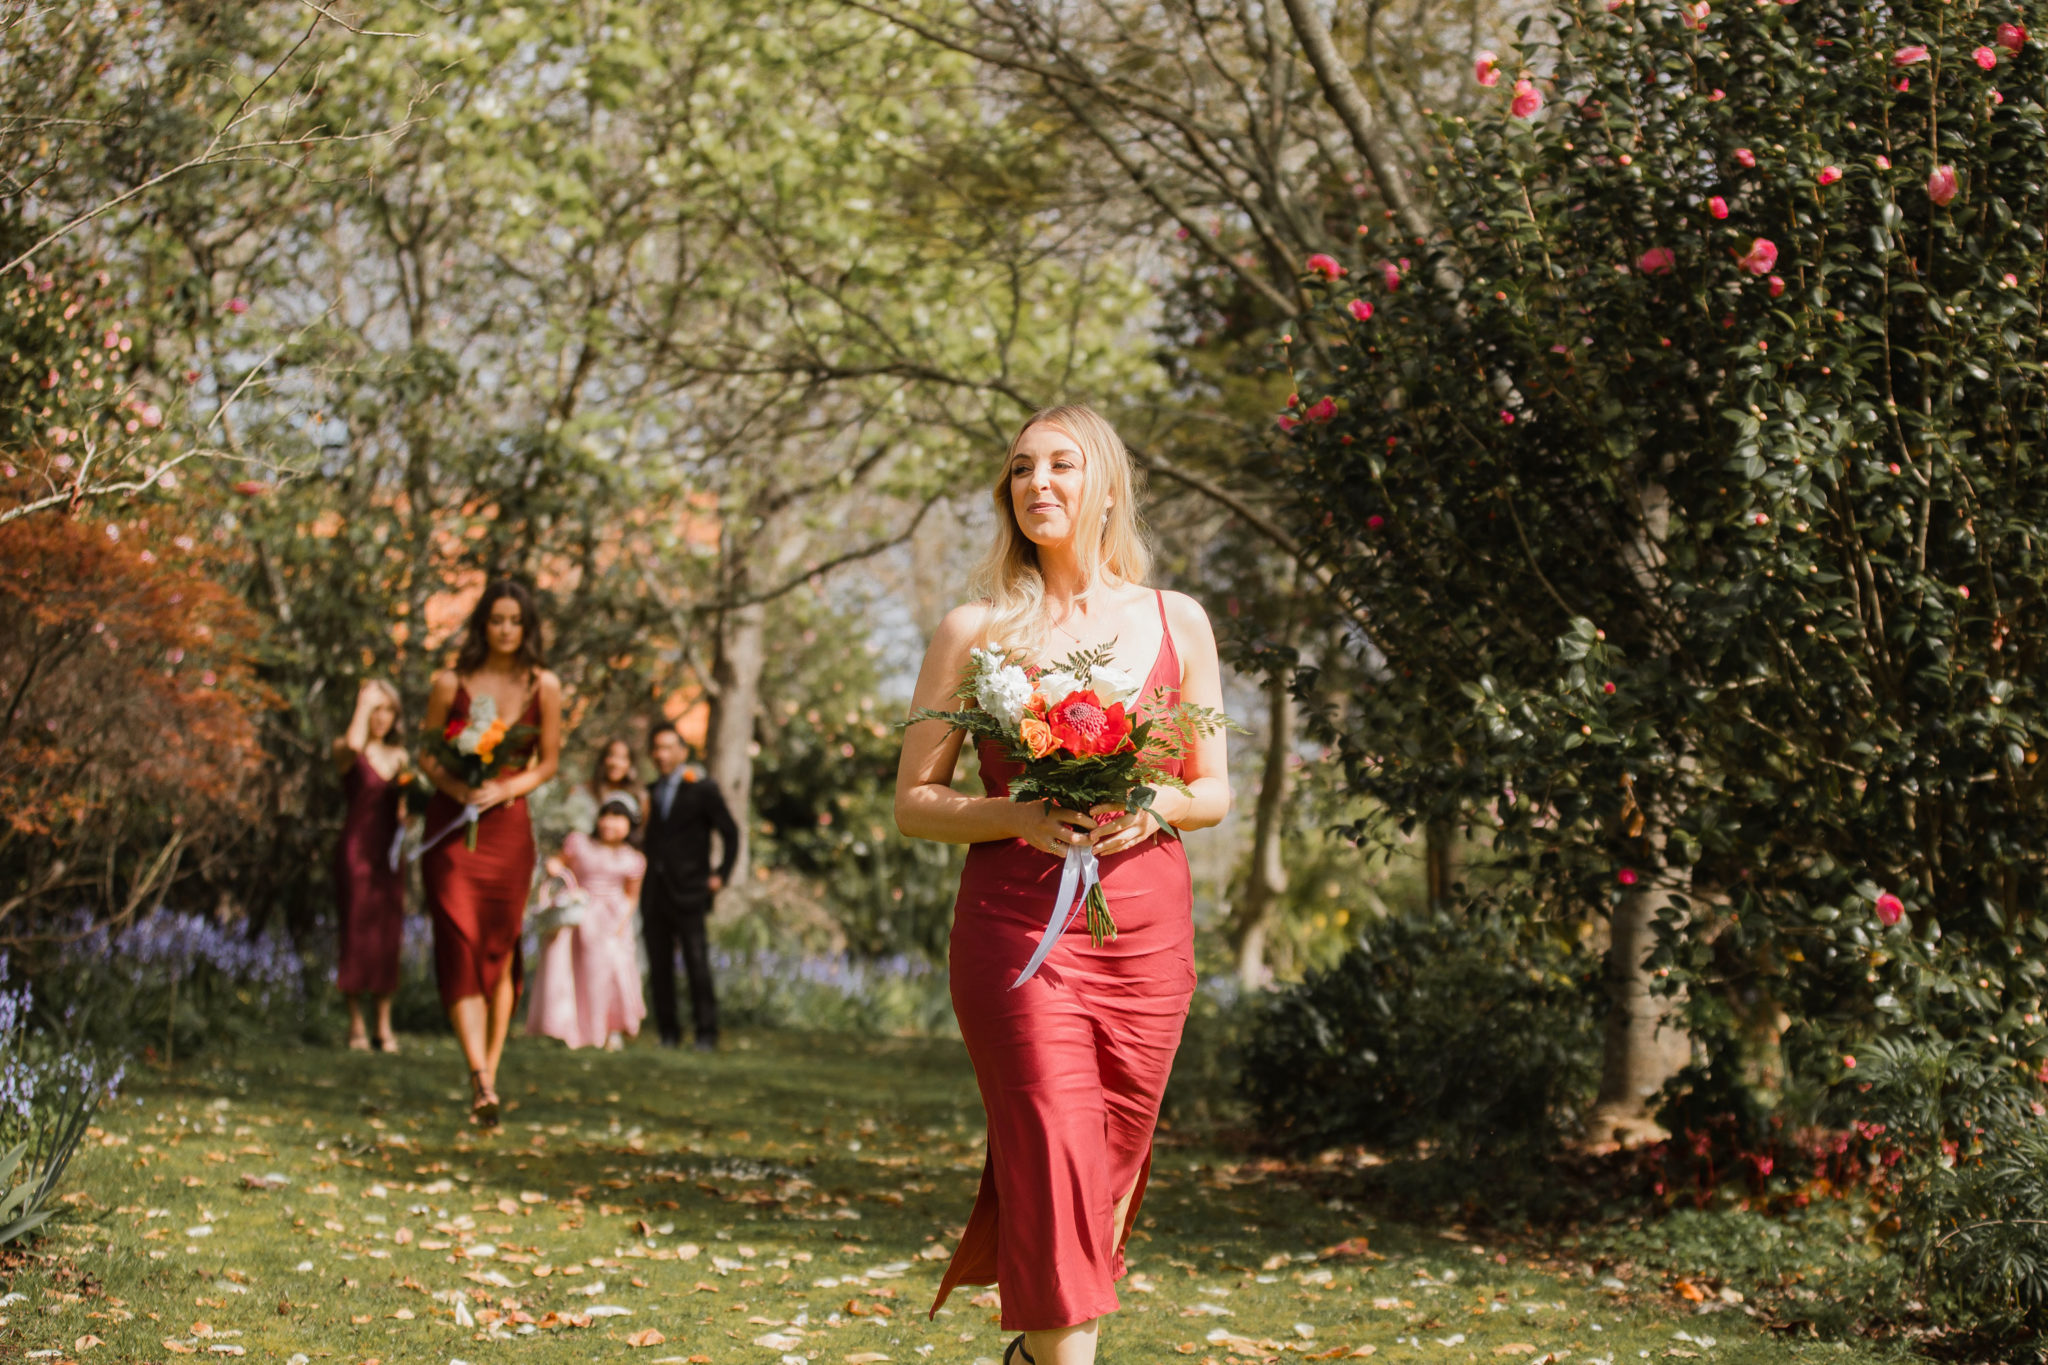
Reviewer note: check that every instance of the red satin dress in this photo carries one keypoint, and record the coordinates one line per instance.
(369, 892)
(478, 898)
(1072, 1064)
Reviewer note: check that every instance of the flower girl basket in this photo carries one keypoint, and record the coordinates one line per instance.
(561, 904)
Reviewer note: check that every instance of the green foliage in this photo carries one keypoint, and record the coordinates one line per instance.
(1962, 1136)
(825, 792)
(1467, 1035)
(1717, 573)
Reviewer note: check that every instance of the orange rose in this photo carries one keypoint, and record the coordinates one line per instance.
(1037, 736)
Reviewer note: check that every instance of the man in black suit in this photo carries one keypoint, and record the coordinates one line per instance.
(683, 812)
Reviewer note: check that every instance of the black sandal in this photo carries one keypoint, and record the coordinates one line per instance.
(1016, 1348)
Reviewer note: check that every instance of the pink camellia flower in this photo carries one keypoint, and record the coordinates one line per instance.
(237, 306)
(1777, 283)
(1608, 688)
(1997, 98)
(1763, 254)
(2010, 280)
(1889, 909)
(1390, 274)
(1694, 15)
(1964, 589)
(1830, 174)
(1848, 1061)
(1745, 158)
(1322, 410)
(1289, 423)
(1507, 419)
(1359, 309)
(1486, 69)
(1326, 266)
(1718, 206)
(1764, 1165)
(1375, 521)
(1658, 260)
(1942, 186)
(1985, 57)
(2012, 37)
(1528, 99)
(1293, 400)
(1716, 96)
(1884, 163)
(1909, 54)
(1627, 876)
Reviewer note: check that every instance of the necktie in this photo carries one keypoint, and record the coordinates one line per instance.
(667, 794)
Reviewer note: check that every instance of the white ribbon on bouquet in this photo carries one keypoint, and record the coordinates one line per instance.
(1079, 874)
(468, 817)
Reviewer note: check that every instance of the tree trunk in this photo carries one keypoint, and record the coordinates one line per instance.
(735, 697)
(1439, 861)
(1645, 1045)
(1266, 882)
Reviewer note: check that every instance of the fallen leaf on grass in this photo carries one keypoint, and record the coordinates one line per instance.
(1187, 1348)
(1690, 1292)
(866, 1358)
(180, 1348)
(1515, 1348)
(1350, 1246)
(779, 1341)
(86, 1342)
(645, 1337)
(220, 1348)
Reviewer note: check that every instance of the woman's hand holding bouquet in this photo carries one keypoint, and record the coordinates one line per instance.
(1088, 756)
(474, 750)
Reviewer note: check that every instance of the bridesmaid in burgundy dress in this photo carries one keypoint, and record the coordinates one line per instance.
(478, 896)
(369, 891)
(1072, 1064)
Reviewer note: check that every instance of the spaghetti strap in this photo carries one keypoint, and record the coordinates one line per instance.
(1160, 593)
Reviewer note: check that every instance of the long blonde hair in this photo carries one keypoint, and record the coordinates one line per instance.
(1110, 539)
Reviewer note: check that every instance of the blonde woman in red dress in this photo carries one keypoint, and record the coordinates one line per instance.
(368, 886)
(1072, 1064)
(478, 896)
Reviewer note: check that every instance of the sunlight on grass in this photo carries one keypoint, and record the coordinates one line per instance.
(788, 1200)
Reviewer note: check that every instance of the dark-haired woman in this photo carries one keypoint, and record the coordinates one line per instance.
(478, 896)
(612, 776)
(369, 890)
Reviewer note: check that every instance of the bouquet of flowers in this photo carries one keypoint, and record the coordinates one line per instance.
(475, 749)
(1076, 730)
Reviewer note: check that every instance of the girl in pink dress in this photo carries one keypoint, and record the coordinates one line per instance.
(588, 989)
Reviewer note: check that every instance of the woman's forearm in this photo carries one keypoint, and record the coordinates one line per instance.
(1208, 802)
(526, 779)
(929, 811)
(444, 781)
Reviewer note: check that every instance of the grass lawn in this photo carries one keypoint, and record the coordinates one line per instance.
(789, 1199)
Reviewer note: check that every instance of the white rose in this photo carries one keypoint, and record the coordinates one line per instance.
(1056, 684)
(1114, 684)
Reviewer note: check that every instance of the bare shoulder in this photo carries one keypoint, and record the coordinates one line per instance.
(549, 685)
(963, 625)
(446, 681)
(1189, 620)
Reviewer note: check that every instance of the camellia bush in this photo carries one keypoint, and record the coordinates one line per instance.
(1693, 481)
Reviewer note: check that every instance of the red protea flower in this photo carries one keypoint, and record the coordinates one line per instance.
(1085, 727)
